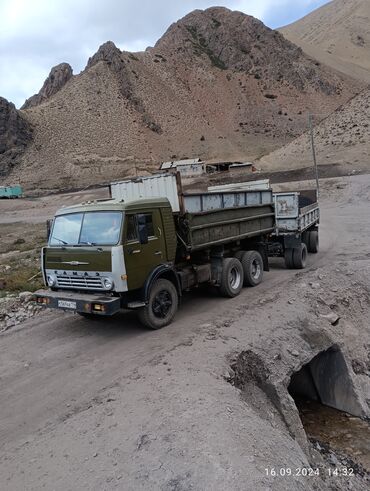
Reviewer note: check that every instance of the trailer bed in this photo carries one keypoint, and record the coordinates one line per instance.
(291, 216)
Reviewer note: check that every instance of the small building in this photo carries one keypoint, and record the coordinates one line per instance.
(10, 191)
(186, 167)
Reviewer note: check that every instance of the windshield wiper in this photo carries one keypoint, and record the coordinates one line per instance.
(87, 243)
(60, 240)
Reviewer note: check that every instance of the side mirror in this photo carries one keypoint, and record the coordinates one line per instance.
(49, 224)
(143, 229)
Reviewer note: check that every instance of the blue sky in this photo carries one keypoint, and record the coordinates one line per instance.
(37, 35)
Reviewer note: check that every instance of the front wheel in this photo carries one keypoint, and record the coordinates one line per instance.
(162, 305)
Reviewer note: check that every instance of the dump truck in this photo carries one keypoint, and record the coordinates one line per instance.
(151, 242)
(11, 191)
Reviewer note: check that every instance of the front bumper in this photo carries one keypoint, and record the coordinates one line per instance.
(93, 303)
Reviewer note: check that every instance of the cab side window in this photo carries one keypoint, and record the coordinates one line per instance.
(149, 224)
(132, 233)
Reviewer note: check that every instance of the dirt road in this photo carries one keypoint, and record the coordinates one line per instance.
(109, 405)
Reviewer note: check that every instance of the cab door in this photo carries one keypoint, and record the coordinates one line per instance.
(141, 258)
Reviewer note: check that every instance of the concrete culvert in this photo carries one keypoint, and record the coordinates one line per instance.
(327, 379)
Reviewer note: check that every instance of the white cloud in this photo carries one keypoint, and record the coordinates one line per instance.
(36, 35)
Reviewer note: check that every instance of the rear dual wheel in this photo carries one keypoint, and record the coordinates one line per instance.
(252, 263)
(232, 277)
(296, 258)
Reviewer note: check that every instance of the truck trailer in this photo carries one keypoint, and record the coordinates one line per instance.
(149, 243)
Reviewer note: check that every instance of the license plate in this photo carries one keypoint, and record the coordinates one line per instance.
(66, 304)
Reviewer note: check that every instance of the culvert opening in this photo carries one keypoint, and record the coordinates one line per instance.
(329, 408)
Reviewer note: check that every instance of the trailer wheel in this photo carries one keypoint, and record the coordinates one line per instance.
(232, 277)
(162, 305)
(313, 241)
(306, 238)
(252, 263)
(300, 256)
(288, 256)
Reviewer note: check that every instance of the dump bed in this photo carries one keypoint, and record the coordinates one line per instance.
(296, 211)
(205, 219)
(211, 219)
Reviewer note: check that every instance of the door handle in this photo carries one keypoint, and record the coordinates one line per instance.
(134, 251)
(158, 253)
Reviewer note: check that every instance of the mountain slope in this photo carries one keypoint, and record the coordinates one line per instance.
(337, 34)
(218, 85)
(342, 139)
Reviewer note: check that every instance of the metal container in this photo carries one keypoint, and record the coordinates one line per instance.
(156, 186)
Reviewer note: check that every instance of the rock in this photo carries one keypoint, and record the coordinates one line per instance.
(232, 40)
(293, 352)
(229, 374)
(15, 135)
(333, 318)
(58, 77)
(25, 296)
(314, 285)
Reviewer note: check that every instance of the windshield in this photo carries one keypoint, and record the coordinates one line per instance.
(90, 228)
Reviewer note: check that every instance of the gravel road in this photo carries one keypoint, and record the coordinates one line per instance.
(109, 405)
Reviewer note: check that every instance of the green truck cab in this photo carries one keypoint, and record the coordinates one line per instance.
(151, 242)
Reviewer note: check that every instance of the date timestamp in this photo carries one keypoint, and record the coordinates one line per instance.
(308, 471)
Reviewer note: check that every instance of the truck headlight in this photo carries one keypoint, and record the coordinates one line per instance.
(51, 280)
(108, 283)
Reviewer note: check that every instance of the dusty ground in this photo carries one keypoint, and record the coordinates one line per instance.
(109, 405)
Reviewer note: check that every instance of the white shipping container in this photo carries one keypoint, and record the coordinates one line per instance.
(157, 186)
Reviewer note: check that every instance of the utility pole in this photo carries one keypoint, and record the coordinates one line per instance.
(310, 125)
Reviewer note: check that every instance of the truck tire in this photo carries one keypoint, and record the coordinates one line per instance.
(300, 256)
(232, 277)
(239, 254)
(306, 238)
(252, 263)
(162, 305)
(313, 241)
(288, 256)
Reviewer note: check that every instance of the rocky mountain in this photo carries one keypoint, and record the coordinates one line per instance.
(337, 34)
(218, 85)
(342, 140)
(58, 77)
(15, 134)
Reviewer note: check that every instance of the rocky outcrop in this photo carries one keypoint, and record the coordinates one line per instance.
(117, 62)
(15, 134)
(239, 42)
(58, 77)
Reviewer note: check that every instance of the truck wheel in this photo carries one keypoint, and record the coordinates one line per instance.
(252, 263)
(162, 305)
(239, 254)
(313, 241)
(288, 256)
(232, 277)
(306, 238)
(300, 256)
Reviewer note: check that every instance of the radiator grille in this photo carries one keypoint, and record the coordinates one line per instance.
(84, 282)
